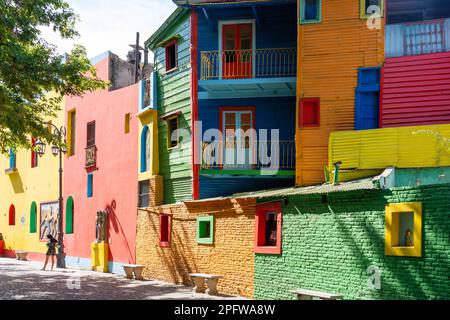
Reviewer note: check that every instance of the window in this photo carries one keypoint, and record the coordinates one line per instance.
(367, 99)
(237, 46)
(310, 11)
(145, 149)
(127, 120)
(12, 215)
(404, 229)
(371, 7)
(205, 230)
(33, 217)
(71, 132)
(69, 215)
(268, 228)
(164, 230)
(172, 135)
(12, 159)
(144, 194)
(90, 134)
(90, 185)
(171, 55)
(34, 154)
(309, 112)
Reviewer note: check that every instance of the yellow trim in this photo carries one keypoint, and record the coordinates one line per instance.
(362, 10)
(70, 125)
(127, 122)
(392, 226)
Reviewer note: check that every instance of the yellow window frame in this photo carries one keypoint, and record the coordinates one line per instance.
(392, 229)
(364, 14)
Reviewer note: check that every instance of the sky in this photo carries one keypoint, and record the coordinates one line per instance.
(112, 24)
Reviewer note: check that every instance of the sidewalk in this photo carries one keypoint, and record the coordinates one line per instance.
(25, 280)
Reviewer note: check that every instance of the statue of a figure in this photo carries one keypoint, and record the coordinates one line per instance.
(100, 227)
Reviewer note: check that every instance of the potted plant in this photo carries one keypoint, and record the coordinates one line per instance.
(2, 245)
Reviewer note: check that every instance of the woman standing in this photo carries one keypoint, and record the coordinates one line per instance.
(51, 251)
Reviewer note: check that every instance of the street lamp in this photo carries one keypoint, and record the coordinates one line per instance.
(59, 149)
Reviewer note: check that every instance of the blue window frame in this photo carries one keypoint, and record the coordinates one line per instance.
(90, 185)
(145, 149)
(310, 11)
(367, 100)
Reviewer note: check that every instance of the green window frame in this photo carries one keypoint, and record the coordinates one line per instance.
(33, 218)
(364, 14)
(69, 215)
(302, 15)
(205, 230)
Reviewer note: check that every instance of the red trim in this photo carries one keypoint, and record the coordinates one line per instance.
(301, 112)
(12, 215)
(223, 109)
(260, 227)
(166, 47)
(34, 161)
(194, 106)
(166, 242)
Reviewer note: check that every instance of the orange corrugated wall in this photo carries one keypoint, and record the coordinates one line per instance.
(329, 55)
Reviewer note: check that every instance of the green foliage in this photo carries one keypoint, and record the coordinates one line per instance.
(31, 68)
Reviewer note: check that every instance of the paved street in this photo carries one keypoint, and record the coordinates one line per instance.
(25, 280)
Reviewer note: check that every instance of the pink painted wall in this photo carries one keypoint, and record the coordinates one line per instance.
(115, 176)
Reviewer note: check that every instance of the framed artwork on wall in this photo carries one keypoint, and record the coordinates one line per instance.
(49, 220)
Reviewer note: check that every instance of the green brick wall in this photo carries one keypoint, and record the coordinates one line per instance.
(329, 246)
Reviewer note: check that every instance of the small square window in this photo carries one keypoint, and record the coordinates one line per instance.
(310, 11)
(371, 7)
(171, 55)
(309, 114)
(205, 230)
(172, 134)
(404, 230)
(144, 194)
(268, 228)
(165, 222)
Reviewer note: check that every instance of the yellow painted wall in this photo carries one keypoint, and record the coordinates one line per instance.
(404, 147)
(149, 118)
(38, 184)
(329, 55)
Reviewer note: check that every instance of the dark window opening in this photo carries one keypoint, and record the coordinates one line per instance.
(171, 56)
(144, 194)
(90, 134)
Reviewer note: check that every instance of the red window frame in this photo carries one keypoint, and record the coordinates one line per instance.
(34, 155)
(260, 228)
(166, 47)
(302, 112)
(165, 228)
(12, 215)
(90, 134)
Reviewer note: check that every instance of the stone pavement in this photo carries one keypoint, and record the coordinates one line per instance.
(25, 280)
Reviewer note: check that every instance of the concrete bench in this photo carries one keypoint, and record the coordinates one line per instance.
(303, 294)
(135, 269)
(211, 281)
(21, 255)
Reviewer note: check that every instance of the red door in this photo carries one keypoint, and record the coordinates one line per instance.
(237, 44)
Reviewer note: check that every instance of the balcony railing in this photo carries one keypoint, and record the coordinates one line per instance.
(241, 64)
(91, 156)
(233, 155)
(417, 38)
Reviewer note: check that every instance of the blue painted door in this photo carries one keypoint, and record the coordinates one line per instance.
(367, 110)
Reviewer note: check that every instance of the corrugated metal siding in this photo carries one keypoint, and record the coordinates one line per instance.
(174, 95)
(406, 147)
(416, 90)
(330, 54)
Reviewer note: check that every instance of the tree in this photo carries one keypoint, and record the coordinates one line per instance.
(31, 68)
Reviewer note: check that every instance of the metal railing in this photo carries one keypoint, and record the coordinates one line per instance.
(238, 64)
(248, 155)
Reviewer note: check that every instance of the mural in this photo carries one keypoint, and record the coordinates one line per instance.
(49, 220)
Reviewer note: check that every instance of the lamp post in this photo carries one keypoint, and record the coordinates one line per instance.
(60, 149)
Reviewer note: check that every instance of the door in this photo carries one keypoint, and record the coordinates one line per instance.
(238, 144)
(237, 46)
(367, 110)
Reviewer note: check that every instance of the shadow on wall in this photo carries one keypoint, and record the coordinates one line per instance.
(116, 227)
(16, 182)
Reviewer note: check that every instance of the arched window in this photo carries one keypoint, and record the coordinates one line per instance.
(33, 217)
(69, 216)
(145, 149)
(12, 215)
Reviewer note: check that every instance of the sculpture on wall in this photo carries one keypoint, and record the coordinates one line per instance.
(101, 226)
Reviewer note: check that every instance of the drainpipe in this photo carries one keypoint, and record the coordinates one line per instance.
(336, 172)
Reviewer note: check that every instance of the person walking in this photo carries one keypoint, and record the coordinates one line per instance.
(51, 251)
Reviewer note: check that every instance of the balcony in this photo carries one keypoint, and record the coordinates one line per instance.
(91, 157)
(424, 37)
(248, 159)
(248, 73)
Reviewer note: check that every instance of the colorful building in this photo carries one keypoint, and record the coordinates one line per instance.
(29, 199)
(101, 171)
